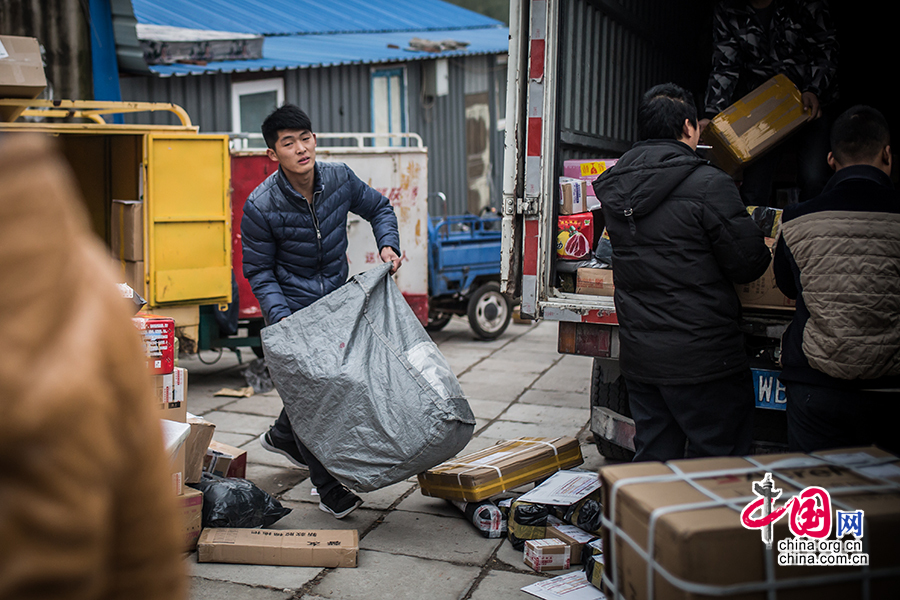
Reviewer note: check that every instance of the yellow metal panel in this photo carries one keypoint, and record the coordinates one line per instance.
(188, 218)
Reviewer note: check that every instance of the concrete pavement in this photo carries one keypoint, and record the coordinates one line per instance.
(411, 546)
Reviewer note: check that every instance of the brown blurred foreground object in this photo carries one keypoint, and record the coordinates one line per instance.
(76, 408)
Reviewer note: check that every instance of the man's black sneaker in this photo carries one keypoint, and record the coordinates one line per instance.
(339, 501)
(288, 450)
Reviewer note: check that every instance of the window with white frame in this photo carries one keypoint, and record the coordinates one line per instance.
(389, 104)
(251, 103)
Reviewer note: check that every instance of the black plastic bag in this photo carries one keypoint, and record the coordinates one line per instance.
(235, 502)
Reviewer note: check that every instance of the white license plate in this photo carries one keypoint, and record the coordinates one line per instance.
(768, 390)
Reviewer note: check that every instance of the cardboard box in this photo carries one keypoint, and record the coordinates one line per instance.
(132, 273)
(127, 230)
(295, 548)
(764, 292)
(158, 335)
(225, 461)
(705, 545)
(21, 72)
(572, 196)
(575, 236)
(501, 467)
(594, 282)
(574, 537)
(190, 506)
(170, 395)
(755, 124)
(592, 557)
(547, 555)
(588, 170)
(196, 446)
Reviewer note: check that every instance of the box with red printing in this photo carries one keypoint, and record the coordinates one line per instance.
(575, 236)
(588, 170)
(158, 335)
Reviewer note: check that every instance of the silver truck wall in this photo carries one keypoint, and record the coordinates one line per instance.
(611, 52)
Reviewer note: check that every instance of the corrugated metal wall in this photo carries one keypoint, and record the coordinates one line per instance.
(610, 53)
(338, 99)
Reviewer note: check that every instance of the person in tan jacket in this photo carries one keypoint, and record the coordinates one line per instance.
(839, 256)
(86, 507)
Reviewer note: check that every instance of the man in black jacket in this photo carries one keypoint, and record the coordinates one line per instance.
(681, 239)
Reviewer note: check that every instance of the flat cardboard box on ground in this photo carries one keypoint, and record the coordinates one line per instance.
(279, 547)
(21, 72)
(764, 292)
(709, 546)
(501, 467)
(755, 124)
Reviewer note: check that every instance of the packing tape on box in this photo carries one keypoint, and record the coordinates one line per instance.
(474, 466)
(770, 584)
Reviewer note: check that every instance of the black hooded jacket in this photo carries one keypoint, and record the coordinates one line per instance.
(681, 239)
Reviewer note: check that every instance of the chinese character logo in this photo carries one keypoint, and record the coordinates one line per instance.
(810, 512)
(849, 521)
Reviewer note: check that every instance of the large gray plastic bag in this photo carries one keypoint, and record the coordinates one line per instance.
(365, 388)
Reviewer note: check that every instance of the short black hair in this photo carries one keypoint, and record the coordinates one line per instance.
(285, 117)
(859, 134)
(662, 112)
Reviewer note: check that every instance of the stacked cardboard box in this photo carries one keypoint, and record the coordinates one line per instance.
(21, 72)
(127, 242)
(678, 530)
(572, 196)
(588, 170)
(595, 282)
(764, 292)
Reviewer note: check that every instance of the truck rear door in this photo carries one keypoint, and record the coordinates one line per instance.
(531, 170)
(188, 221)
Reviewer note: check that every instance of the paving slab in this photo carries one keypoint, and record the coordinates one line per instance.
(308, 516)
(450, 539)
(259, 404)
(419, 503)
(573, 418)
(238, 440)
(205, 589)
(378, 500)
(276, 578)
(231, 422)
(487, 409)
(512, 558)
(274, 480)
(565, 398)
(394, 577)
(502, 585)
(510, 430)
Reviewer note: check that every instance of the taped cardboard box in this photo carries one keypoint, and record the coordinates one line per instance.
(547, 555)
(290, 548)
(170, 392)
(588, 170)
(158, 336)
(174, 435)
(572, 196)
(574, 537)
(705, 549)
(594, 282)
(190, 506)
(501, 467)
(764, 292)
(755, 124)
(21, 72)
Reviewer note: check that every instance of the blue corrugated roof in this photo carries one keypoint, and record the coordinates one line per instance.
(297, 51)
(287, 17)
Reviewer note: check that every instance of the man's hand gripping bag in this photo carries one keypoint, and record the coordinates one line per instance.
(365, 388)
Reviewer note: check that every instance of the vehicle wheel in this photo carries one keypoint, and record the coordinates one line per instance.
(437, 321)
(489, 312)
(613, 396)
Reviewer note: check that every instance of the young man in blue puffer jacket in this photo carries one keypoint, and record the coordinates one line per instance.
(294, 236)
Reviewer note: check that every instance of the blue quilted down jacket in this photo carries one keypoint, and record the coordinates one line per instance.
(293, 255)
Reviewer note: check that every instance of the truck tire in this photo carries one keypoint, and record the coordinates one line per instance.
(489, 311)
(613, 396)
(437, 321)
